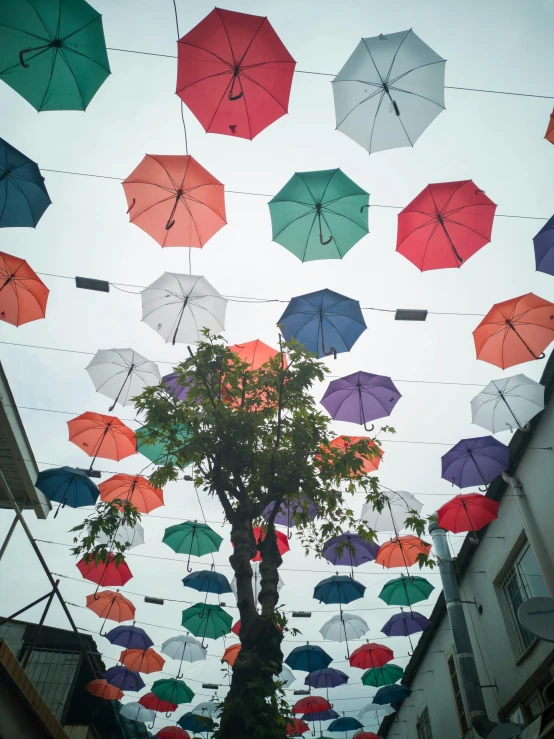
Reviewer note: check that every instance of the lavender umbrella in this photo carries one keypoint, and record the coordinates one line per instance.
(475, 461)
(349, 550)
(124, 679)
(544, 248)
(178, 391)
(129, 637)
(360, 398)
(288, 510)
(405, 624)
(321, 716)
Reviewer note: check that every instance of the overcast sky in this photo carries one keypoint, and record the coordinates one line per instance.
(495, 140)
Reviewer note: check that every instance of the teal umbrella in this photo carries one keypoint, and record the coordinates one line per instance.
(192, 538)
(406, 591)
(171, 690)
(319, 215)
(379, 676)
(152, 444)
(207, 621)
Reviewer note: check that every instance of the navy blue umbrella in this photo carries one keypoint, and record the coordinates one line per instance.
(194, 722)
(391, 694)
(67, 486)
(325, 322)
(544, 248)
(206, 581)
(339, 589)
(321, 715)
(129, 637)
(124, 679)
(345, 723)
(475, 461)
(404, 624)
(23, 196)
(308, 658)
(326, 678)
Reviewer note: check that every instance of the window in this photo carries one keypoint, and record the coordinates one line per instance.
(423, 726)
(458, 699)
(523, 581)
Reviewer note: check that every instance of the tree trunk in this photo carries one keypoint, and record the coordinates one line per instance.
(251, 707)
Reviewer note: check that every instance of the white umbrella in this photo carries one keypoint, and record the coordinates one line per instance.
(133, 535)
(178, 307)
(184, 648)
(508, 403)
(389, 91)
(343, 627)
(208, 708)
(376, 708)
(122, 374)
(256, 581)
(286, 676)
(136, 712)
(398, 505)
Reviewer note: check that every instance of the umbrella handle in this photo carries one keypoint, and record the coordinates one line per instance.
(541, 356)
(325, 242)
(169, 224)
(395, 106)
(371, 429)
(132, 205)
(483, 490)
(153, 722)
(235, 97)
(362, 208)
(332, 351)
(24, 51)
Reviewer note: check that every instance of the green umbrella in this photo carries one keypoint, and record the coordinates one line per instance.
(319, 215)
(405, 591)
(150, 444)
(385, 675)
(53, 52)
(172, 691)
(207, 621)
(192, 538)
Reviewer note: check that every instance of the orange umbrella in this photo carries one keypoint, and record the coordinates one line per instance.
(23, 295)
(103, 689)
(549, 135)
(142, 660)
(402, 551)
(255, 354)
(175, 200)
(105, 573)
(134, 488)
(370, 464)
(515, 331)
(102, 436)
(111, 605)
(230, 654)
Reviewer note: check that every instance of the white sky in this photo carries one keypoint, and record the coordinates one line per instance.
(495, 140)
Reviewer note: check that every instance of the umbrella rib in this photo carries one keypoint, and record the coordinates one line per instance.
(341, 215)
(203, 79)
(378, 91)
(416, 94)
(227, 88)
(150, 184)
(332, 235)
(189, 160)
(293, 221)
(169, 177)
(88, 58)
(26, 200)
(327, 185)
(308, 237)
(201, 202)
(44, 24)
(421, 66)
(243, 57)
(27, 33)
(463, 225)
(250, 79)
(50, 78)
(373, 61)
(375, 120)
(395, 55)
(206, 51)
(158, 202)
(68, 65)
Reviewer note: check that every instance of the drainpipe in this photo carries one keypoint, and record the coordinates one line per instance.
(464, 652)
(532, 531)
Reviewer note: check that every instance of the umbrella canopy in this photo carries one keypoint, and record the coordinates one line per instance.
(398, 506)
(286, 676)
(369, 463)
(339, 589)
(103, 689)
(152, 443)
(105, 573)
(131, 536)
(324, 321)
(319, 215)
(192, 722)
(121, 374)
(136, 712)
(405, 624)
(152, 702)
(402, 551)
(325, 678)
(207, 621)
(508, 402)
(67, 486)
(129, 637)
(256, 584)
(234, 73)
(475, 461)
(111, 606)
(172, 732)
(183, 647)
(175, 200)
(349, 550)
(389, 91)
(124, 679)
(289, 510)
(178, 307)
(23, 195)
(192, 538)
(311, 704)
(231, 654)
(549, 135)
(23, 295)
(296, 726)
(256, 353)
(345, 723)
(366, 735)
(445, 225)
(320, 716)
(207, 708)
(133, 488)
(391, 694)
(142, 660)
(376, 708)
(207, 581)
(282, 542)
(406, 591)
(515, 331)
(371, 655)
(53, 54)
(344, 626)
(172, 691)
(308, 657)
(360, 398)
(173, 382)
(469, 512)
(385, 675)
(544, 247)
(102, 436)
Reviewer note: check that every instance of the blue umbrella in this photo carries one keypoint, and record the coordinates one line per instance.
(326, 678)
(391, 694)
(321, 716)
(23, 196)
(129, 637)
(194, 722)
(308, 658)
(338, 589)
(544, 248)
(324, 321)
(67, 486)
(404, 624)
(124, 679)
(206, 581)
(345, 723)
(475, 461)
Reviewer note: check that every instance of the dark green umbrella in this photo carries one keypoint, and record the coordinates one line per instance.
(207, 621)
(405, 591)
(53, 52)
(192, 538)
(153, 445)
(319, 215)
(171, 690)
(385, 675)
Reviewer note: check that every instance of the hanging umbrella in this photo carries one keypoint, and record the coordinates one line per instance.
(172, 691)
(207, 581)
(23, 295)
(259, 536)
(129, 637)
(121, 374)
(142, 660)
(349, 550)
(234, 73)
(179, 307)
(389, 91)
(124, 679)
(193, 722)
(339, 589)
(326, 678)
(398, 506)
(153, 444)
(549, 135)
(445, 225)
(289, 509)
(544, 247)
(175, 200)
(324, 321)
(405, 624)
(136, 712)
(23, 195)
(344, 626)
(307, 658)
(231, 654)
(131, 536)
(103, 689)
(286, 676)
(102, 436)
(385, 675)
(105, 573)
(476, 461)
(319, 215)
(345, 723)
(173, 382)
(370, 655)
(360, 398)
(67, 486)
(508, 402)
(311, 704)
(207, 708)
(377, 708)
(152, 702)
(172, 732)
(184, 648)
(366, 735)
(256, 584)
(515, 331)
(391, 694)
(320, 716)
(111, 605)
(371, 462)
(207, 621)
(296, 726)
(467, 513)
(192, 538)
(256, 353)
(402, 551)
(132, 488)
(406, 591)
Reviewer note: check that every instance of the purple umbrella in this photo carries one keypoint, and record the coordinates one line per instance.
(178, 391)
(288, 510)
(475, 461)
(124, 679)
(321, 716)
(129, 637)
(360, 398)
(327, 678)
(544, 248)
(404, 624)
(349, 550)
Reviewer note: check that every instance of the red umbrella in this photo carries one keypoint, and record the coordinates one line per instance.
(103, 689)
(105, 573)
(23, 295)
(153, 703)
(234, 73)
(172, 732)
(134, 488)
(445, 225)
(370, 464)
(236, 628)
(142, 660)
(102, 436)
(296, 726)
(370, 655)
(549, 135)
(402, 551)
(515, 331)
(366, 735)
(467, 512)
(311, 704)
(282, 542)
